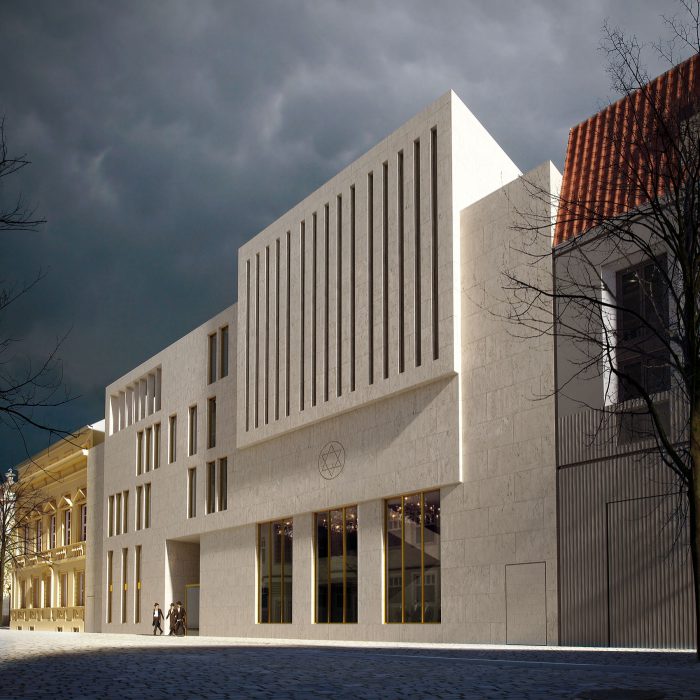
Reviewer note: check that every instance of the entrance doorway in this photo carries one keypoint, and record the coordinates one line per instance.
(182, 577)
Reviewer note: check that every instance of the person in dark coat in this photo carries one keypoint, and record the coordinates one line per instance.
(180, 620)
(157, 618)
(171, 617)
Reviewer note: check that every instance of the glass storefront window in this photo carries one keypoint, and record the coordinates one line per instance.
(336, 565)
(413, 558)
(275, 559)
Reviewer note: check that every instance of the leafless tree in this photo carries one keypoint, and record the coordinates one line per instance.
(27, 388)
(640, 204)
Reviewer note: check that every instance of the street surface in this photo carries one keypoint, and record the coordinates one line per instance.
(76, 666)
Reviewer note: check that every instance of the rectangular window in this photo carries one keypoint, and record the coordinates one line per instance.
(36, 593)
(256, 376)
(339, 296)
(137, 584)
(110, 517)
(156, 446)
(211, 422)
(66, 527)
(211, 369)
(400, 234)
(277, 329)
(172, 439)
(370, 277)
(110, 584)
(275, 571)
(63, 591)
(223, 352)
(125, 581)
(314, 295)
(149, 447)
(385, 268)
(434, 241)
(118, 514)
(247, 345)
(79, 588)
(642, 354)
(83, 523)
(326, 292)
(266, 339)
(288, 331)
(352, 288)
(302, 320)
(417, 243)
(139, 452)
(192, 492)
(147, 505)
(139, 507)
(223, 483)
(47, 592)
(38, 538)
(192, 431)
(336, 565)
(52, 532)
(413, 558)
(211, 487)
(125, 509)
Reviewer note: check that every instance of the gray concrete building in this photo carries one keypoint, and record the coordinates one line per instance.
(358, 448)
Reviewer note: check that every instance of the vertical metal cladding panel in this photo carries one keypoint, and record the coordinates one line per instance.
(601, 541)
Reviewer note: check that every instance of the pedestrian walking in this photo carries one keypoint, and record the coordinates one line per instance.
(180, 620)
(171, 618)
(157, 618)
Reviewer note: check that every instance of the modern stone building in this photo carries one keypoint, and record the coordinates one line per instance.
(358, 448)
(49, 587)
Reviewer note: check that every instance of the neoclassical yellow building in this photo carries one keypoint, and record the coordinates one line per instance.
(49, 573)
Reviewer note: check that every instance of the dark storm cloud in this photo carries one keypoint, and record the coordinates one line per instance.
(163, 135)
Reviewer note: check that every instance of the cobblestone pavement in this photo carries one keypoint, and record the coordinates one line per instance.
(60, 665)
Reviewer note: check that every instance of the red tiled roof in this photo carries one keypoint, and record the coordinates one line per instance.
(616, 160)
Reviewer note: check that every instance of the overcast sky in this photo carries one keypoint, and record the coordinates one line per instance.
(163, 135)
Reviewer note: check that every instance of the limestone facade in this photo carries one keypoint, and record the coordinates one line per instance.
(367, 371)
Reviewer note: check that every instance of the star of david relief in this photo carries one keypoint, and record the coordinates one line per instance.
(331, 460)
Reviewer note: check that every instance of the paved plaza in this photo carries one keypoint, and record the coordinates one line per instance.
(36, 664)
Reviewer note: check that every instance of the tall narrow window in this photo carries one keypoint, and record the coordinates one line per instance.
(192, 431)
(413, 558)
(352, 288)
(67, 527)
(139, 507)
(211, 422)
(256, 375)
(83, 523)
(370, 277)
(326, 293)
(192, 492)
(79, 588)
(117, 514)
(287, 324)
(434, 242)
(125, 512)
(314, 301)
(110, 584)
(156, 446)
(385, 267)
(52, 531)
(212, 359)
(417, 267)
(149, 448)
(139, 453)
(223, 483)
(137, 584)
(275, 571)
(110, 521)
(63, 590)
(211, 487)
(223, 352)
(339, 296)
(172, 439)
(125, 584)
(336, 565)
(247, 345)
(147, 505)
(302, 299)
(399, 211)
(266, 369)
(277, 329)
(38, 537)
